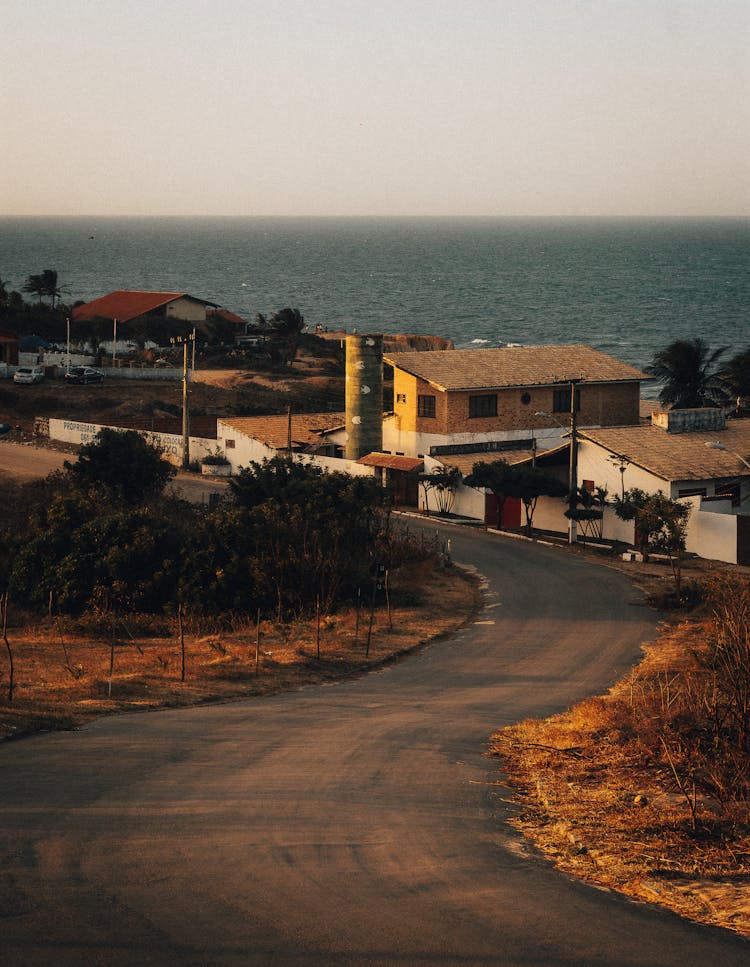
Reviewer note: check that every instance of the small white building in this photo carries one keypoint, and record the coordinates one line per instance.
(678, 455)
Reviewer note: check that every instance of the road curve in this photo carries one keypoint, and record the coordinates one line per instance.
(350, 824)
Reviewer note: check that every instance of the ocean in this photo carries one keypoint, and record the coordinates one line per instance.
(626, 286)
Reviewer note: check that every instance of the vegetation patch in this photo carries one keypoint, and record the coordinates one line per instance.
(647, 790)
(69, 671)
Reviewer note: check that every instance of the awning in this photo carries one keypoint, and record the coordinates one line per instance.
(391, 462)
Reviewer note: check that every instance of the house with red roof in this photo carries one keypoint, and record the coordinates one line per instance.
(129, 306)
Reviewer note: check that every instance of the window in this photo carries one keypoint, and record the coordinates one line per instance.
(426, 406)
(561, 400)
(525, 398)
(731, 491)
(482, 406)
(692, 492)
(229, 444)
(588, 485)
(400, 397)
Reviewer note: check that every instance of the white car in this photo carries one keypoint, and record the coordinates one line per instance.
(28, 374)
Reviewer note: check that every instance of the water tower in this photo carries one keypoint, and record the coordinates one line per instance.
(364, 395)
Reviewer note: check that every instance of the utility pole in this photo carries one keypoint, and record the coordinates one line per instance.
(185, 341)
(114, 342)
(573, 479)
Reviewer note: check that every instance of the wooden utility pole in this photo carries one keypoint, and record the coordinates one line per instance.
(184, 341)
(573, 479)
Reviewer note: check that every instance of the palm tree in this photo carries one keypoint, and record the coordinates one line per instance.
(50, 286)
(34, 284)
(736, 375)
(688, 373)
(43, 285)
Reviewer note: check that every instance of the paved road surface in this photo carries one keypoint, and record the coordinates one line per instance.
(343, 825)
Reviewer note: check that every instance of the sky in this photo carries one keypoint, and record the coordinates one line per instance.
(375, 107)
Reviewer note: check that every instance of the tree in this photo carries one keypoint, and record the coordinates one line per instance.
(123, 464)
(736, 376)
(443, 481)
(588, 510)
(687, 370)
(530, 484)
(35, 285)
(660, 525)
(314, 534)
(506, 480)
(49, 285)
(287, 324)
(493, 476)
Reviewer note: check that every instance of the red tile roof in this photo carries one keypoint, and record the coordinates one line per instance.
(308, 429)
(391, 461)
(228, 316)
(126, 304)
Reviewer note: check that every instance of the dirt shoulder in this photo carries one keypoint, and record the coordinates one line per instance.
(67, 673)
(603, 808)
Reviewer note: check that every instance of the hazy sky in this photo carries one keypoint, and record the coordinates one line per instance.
(426, 107)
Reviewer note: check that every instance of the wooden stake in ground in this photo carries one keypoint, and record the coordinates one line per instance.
(112, 655)
(257, 644)
(4, 605)
(317, 626)
(181, 626)
(372, 616)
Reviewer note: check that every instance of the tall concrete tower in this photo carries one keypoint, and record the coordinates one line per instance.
(364, 395)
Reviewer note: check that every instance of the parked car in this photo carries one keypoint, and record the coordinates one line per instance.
(82, 374)
(28, 374)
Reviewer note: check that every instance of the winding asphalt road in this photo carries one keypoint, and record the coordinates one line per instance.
(352, 824)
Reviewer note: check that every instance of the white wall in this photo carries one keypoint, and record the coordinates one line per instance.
(247, 450)
(71, 431)
(593, 464)
(186, 309)
(711, 533)
(412, 444)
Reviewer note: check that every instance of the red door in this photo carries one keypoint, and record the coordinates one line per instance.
(511, 512)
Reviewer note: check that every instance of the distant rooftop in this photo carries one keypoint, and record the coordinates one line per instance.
(678, 456)
(127, 304)
(509, 366)
(308, 429)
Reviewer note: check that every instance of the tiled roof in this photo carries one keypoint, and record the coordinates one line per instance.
(273, 431)
(465, 461)
(473, 369)
(678, 456)
(391, 461)
(227, 316)
(126, 304)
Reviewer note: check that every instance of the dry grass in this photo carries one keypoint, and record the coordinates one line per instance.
(63, 680)
(598, 801)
